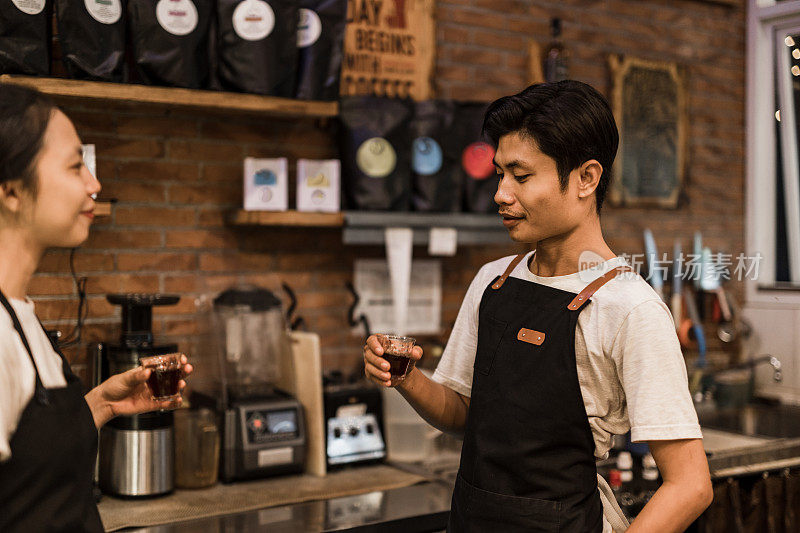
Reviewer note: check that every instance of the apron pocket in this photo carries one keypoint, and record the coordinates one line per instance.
(489, 336)
(490, 511)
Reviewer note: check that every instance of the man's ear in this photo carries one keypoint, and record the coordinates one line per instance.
(11, 195)
(589, 172)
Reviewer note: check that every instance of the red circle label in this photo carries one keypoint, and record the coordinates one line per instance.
(477, 160)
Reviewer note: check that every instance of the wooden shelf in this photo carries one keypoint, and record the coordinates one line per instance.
(286, 218)
(176, 97)
(102, 208)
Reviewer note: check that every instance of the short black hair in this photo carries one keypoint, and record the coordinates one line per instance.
(24, 116)
(568, 120)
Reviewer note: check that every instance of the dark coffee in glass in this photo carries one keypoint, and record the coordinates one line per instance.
(164, 382)
(398, 364)
(166, 372)
(397, 351)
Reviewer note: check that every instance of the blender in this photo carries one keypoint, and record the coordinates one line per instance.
(262, 426)
(136, 452)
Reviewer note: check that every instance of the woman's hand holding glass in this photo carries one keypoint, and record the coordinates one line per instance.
(127, 394)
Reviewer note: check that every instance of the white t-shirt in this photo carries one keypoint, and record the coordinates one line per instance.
(630, 366)
(17, 375)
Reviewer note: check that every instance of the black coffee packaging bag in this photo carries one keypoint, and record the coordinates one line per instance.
(375, 152)
(25, 36)
(213, 56)
(92, 36)
(436, 173)
(169, 40)
(474, 155)
(257, 46)
(320, 41)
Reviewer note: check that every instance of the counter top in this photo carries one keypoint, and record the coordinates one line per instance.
(717, 441)
(419, 508)
(750, 439)
(241, 498)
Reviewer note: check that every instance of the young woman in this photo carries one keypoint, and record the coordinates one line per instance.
(48, 428)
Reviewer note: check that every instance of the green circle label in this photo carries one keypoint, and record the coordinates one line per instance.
(376, 157)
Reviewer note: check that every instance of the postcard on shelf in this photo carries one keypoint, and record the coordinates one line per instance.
(318, 185)
(266, 184)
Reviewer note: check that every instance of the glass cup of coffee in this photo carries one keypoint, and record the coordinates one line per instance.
(397, 351)
(166, 372)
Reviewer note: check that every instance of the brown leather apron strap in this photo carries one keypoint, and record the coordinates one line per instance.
(502, 279)
(594, 286)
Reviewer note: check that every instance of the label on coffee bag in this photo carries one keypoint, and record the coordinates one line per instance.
(30, 7)
(253, 20)
(104, 11)
(179, 17)
(478, 160)
(426, 156)
(376, 157)
(309, 28)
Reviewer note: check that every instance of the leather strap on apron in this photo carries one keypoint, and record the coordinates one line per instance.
(527, 463)
(594, 286)
(502, 279)
(47, 484)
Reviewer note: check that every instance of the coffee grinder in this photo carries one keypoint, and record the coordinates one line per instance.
(136, 452)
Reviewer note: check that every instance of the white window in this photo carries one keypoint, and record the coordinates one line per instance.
(773, 165)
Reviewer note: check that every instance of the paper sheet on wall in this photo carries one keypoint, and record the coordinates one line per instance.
(399, 248)
(371, 280)
(442, 241)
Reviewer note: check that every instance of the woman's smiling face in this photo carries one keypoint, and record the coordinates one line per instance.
(61, 210)
(529, 195)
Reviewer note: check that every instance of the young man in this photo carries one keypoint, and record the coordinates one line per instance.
(547, 359)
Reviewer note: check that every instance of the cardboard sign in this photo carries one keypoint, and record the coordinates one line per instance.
(373, 284)
(388, 49)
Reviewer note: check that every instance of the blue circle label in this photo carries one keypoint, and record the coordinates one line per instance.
(426, 156)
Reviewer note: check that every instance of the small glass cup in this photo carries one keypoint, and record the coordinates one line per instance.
(397, 351)
(196, 448)
(166, 372)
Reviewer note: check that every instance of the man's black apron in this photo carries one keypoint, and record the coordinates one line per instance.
(527, 463)
(46, 485)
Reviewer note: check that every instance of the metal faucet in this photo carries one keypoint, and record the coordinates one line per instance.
(777, 375)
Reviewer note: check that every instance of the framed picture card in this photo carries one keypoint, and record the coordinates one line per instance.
(649, 103)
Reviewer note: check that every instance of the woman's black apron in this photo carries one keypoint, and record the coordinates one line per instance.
(46, 485)
(527, 463)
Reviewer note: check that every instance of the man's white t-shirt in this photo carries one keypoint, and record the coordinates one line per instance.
(17, 375)
(630, 366)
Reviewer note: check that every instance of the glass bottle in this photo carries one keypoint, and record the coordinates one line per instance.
(555, 61)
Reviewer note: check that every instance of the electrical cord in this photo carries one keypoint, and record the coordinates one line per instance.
(83, 310)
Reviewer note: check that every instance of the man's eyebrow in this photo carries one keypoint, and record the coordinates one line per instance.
(510, 164)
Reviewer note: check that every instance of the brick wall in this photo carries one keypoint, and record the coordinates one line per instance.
(176, 174)
(483, 54)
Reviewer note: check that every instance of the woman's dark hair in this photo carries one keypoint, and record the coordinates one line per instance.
(568, 120)
(24, 116)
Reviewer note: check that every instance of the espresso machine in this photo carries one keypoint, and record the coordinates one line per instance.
(354, 420)
(136, 452)
(263, 428)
